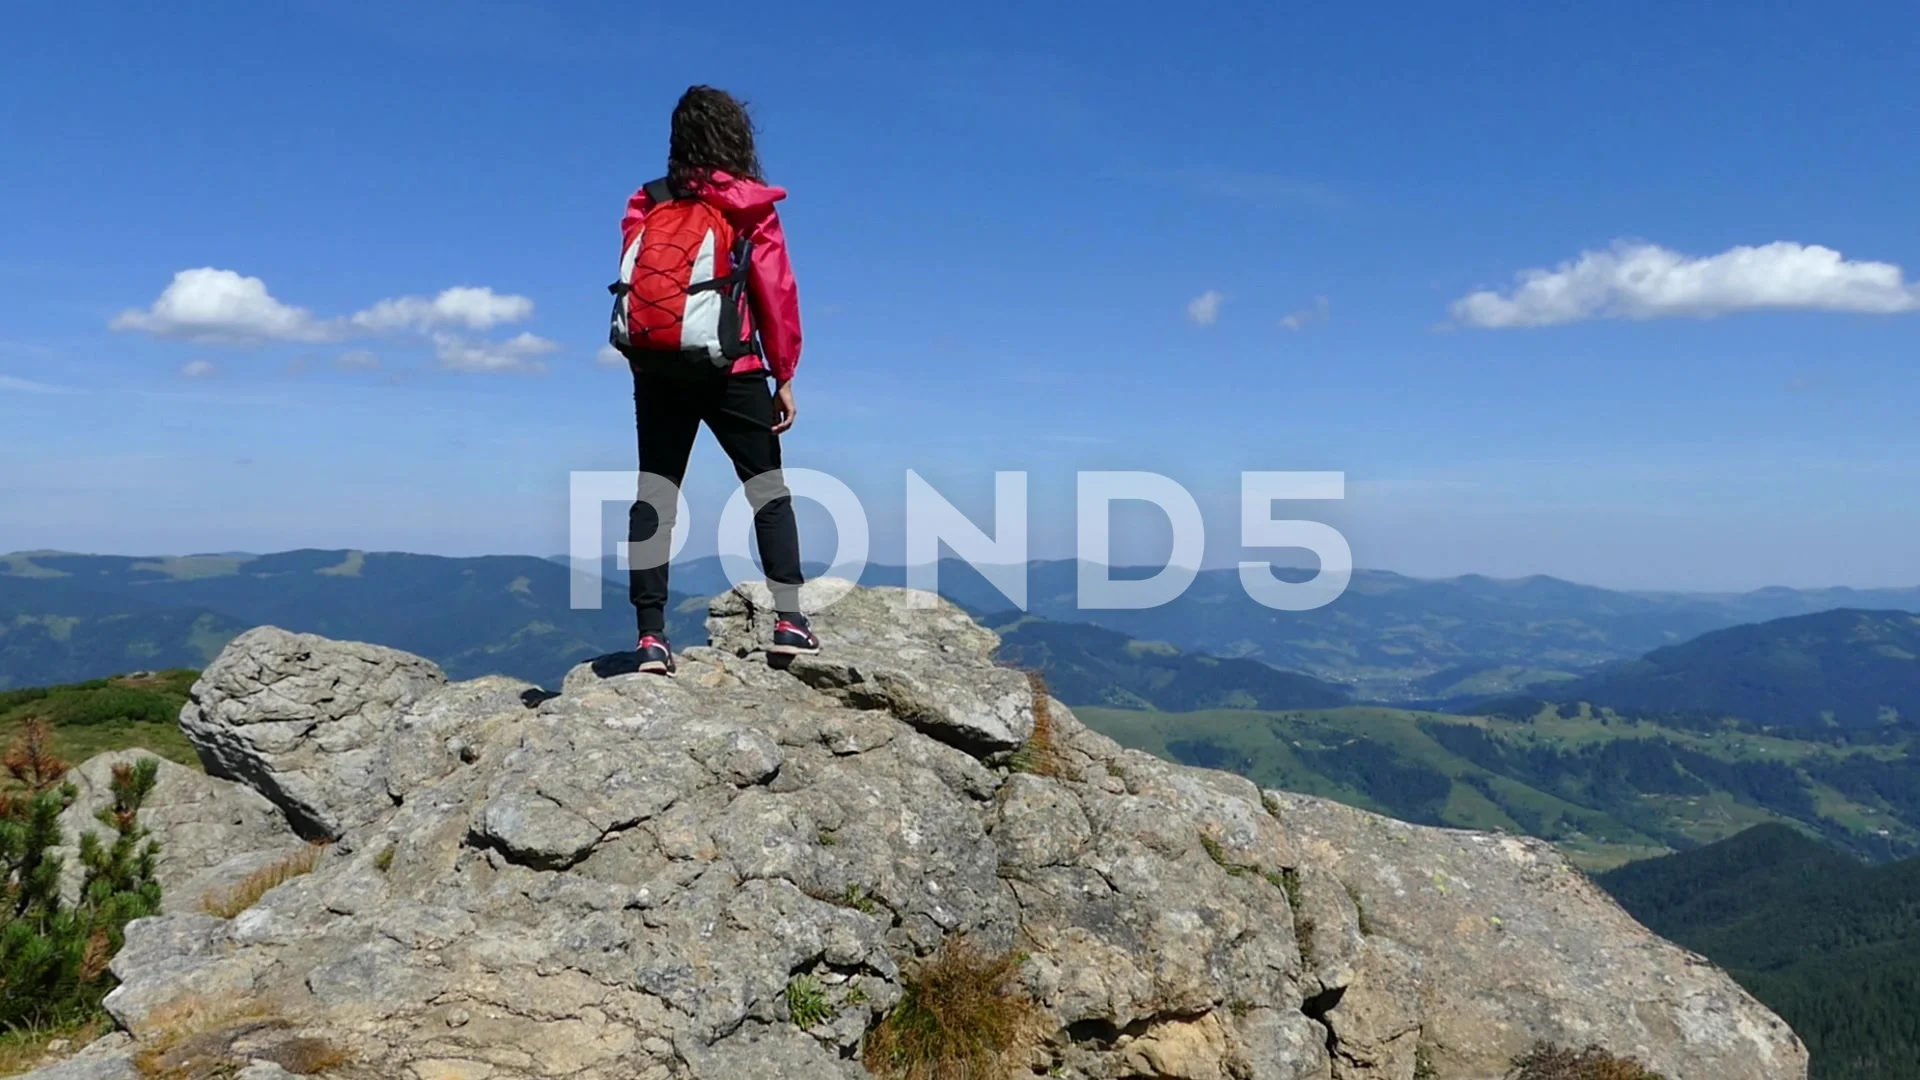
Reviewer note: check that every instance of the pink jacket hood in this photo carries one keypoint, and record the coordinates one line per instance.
(733, 193)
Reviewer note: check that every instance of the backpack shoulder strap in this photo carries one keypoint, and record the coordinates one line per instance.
(659, 191)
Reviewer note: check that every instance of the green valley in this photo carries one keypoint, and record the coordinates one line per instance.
(1604, 788)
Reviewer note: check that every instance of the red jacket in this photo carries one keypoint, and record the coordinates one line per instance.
(776, 301)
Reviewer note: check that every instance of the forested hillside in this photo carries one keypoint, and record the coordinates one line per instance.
(1831, 944)
(1857, 671)
(1091, 665)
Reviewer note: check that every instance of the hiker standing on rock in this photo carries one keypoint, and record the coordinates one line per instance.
(705, 311)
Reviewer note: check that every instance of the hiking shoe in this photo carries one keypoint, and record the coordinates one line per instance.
(654, 654)
(793, 637)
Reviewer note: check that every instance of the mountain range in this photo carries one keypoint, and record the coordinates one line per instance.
(1807, 720)
(65, 618)
(1400, 639)
(1389, 638)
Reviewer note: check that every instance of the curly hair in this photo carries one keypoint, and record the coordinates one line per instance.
(711, 133)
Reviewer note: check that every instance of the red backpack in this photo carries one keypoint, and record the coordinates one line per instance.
(681, 301)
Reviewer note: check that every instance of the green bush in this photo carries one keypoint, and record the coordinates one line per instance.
(112, 704)
(54, 956)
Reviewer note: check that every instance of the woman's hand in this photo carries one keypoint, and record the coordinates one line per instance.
(784, 410)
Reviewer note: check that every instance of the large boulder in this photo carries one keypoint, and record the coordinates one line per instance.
(300, 719)
(625, 881)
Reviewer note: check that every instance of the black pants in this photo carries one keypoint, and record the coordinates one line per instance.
(739, 410)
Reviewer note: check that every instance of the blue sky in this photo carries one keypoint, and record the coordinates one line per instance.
(1193, 242)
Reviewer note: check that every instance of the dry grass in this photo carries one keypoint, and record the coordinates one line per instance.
(306, 1056)
(1039, 755)
(1545, 1062)
(26, 1049)
(190, 1038)
(227, 903)
(195, 1039)
(961, 1018)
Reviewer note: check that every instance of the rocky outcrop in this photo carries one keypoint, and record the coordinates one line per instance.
(1512, 944)
(624, 879)
(216, 833)
(895, 656)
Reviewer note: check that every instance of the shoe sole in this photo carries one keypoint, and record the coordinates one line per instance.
(792, 650)
(655, 667)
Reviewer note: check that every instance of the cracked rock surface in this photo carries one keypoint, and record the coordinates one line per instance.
(620, 881)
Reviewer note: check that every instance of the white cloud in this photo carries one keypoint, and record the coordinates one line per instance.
(1645, 281)
(224, 308)
(1314, 312)
(28, 386)
(197, 369)
(461, 307)
(1204, 309)
(519, 353)
(608, 356)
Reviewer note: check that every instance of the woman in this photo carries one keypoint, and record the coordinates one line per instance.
(706, 310)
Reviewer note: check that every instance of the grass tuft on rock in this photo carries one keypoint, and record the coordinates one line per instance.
(1039, 755)
(962, 1017)
(192, 1037)
(230, 902)
(859, 900)
(307, 1056)
(1546, 1062)
(1211, 845)
(807, 1002)
(1288, 881)
(1360, 910)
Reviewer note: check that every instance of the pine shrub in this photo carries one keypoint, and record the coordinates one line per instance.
(54, 955)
